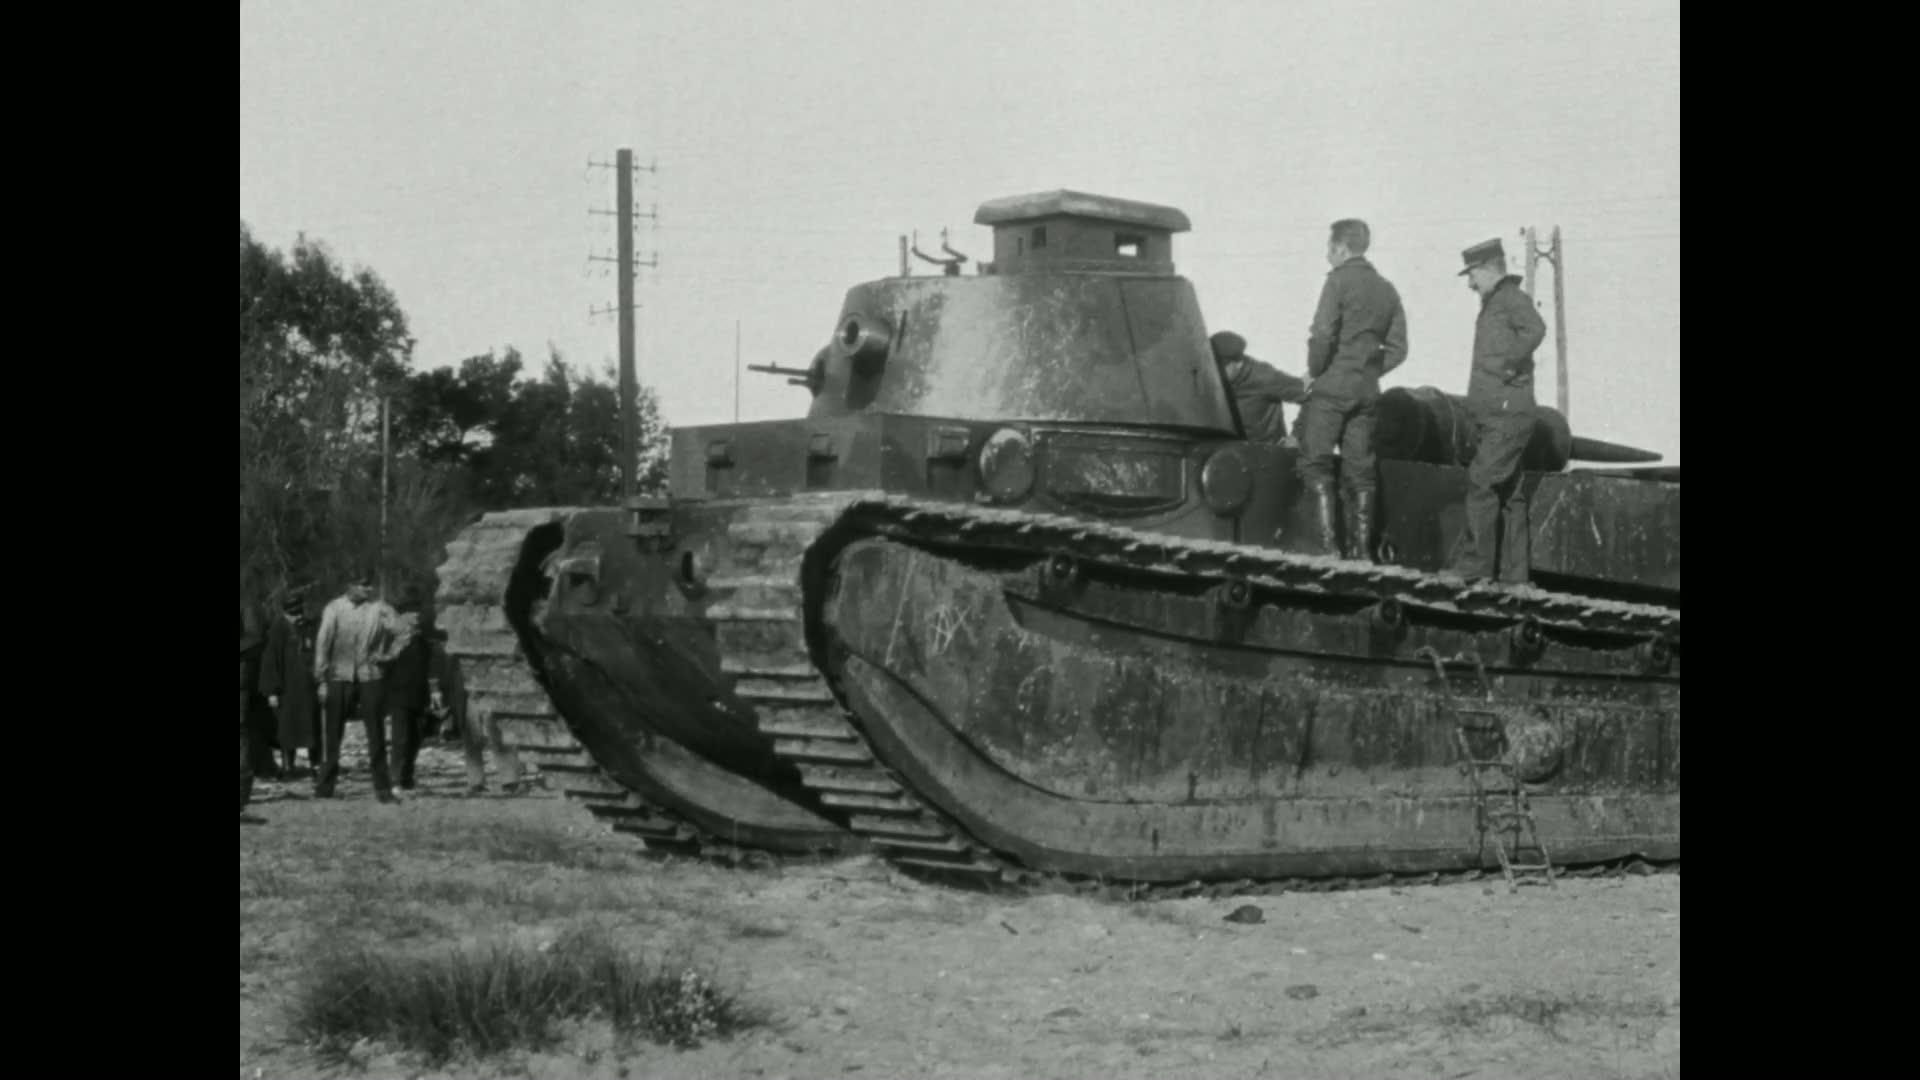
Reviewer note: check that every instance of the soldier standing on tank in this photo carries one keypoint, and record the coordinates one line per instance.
(1260, 391)
(286, 678)
(1500, 400)
(354, 630)
(1359, 334)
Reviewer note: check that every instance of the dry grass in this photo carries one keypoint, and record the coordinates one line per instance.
(445, 930)
(484, 1001)
(1476, 1015)
(391, 935)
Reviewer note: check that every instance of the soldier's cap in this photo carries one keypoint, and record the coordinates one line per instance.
(1228, 345)
(1485, 251)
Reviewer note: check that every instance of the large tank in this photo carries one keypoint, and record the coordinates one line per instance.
(1016, 601)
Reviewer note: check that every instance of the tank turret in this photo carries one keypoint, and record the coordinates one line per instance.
(1080, 319)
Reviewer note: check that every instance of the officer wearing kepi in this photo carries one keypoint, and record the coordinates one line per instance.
(1359, 334)
(1500, 400)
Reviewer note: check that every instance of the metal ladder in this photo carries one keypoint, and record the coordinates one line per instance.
(1493, 820)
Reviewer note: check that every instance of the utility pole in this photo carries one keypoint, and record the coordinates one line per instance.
(1533, 257)
(386, 460)
(626, 269)
(736, 371)
(1552, 255)
(1560, 321)
(629, 451)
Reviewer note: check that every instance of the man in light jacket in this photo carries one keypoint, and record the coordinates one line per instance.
(355, 631)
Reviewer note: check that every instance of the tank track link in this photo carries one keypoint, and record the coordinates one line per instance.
(481, 561)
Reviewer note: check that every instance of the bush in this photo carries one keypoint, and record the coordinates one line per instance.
(480, 1002)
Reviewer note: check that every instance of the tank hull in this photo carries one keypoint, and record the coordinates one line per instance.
(1110, 734)
(919, 670)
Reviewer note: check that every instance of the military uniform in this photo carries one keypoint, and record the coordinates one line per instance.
(1359, 334)
(1500, 399)
(1260, 391)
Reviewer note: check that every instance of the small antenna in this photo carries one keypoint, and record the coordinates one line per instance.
(949, 267)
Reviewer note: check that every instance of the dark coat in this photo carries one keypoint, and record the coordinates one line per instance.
(1259, 391)
(251, 640)
(1359, 332)
(1504, 338)
(286, 671)
(407, 670)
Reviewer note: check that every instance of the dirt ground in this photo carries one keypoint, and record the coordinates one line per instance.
(870, 974)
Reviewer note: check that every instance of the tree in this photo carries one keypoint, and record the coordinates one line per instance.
(449, 416)
(551, 441)
(316, 346)
(319, 348)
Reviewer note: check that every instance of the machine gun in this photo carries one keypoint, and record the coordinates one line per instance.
(811, 376)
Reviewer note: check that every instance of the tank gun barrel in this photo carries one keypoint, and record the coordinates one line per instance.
(1585, 449)
(776, 369)
(1432, 426)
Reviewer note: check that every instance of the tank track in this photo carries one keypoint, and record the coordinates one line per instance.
(481, 561)
(836, 760)
(802, 712)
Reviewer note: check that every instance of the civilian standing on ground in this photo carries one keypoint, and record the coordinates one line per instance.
(354, 630)
(249, 642)
(286, 678)
(408, 675)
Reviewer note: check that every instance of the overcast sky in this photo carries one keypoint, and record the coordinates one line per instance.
(445, 146)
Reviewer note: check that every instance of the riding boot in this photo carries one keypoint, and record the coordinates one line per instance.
(1323, 518)
(1516, 542)
(1359, 545)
